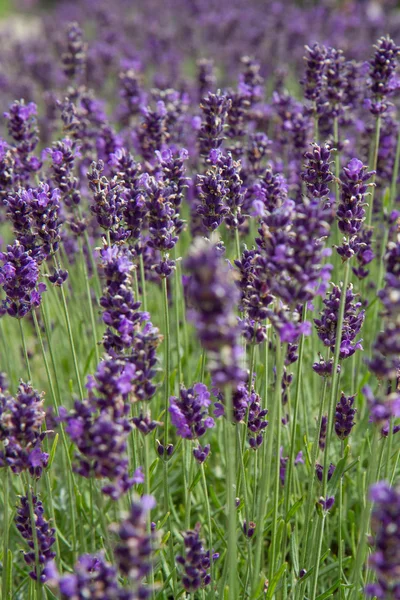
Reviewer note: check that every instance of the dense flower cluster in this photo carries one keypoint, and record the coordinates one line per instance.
(189, 412)
(196, 562)
(344, 416)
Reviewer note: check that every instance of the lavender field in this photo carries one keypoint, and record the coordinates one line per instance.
(200, 300)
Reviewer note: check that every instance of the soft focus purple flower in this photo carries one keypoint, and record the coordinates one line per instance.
(344, 416)
(43, 532)
(212, 296)
(196, 562)
(314, 76)
(74, 57)
(215, 109)
(189, 412)
(317, 173)
(382, 74)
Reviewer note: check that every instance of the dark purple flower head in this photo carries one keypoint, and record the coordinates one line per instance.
(21, 421)
(101, 440)
(382, 409)
(196, 562)
(350, 212)
(19, 280)
(314, 76)
(189, 412)
(132, 94)
(382, 74)
(256, 422)
(322, 432)
(161, 215)
(385, 525)
(324, 368)
(352, 322)
(206, 79)
(319, 470)
(22, 127)
(250, 80)
(212, 189)
(270, 192)
(365, 254)
(92, 577)
(328, 503)
(215, 109)
(43, 532)
(317, 173)
(144, 423)
(109, 201)
(201, 453)
(74, 56)
(249, 530)
(336, 75)
(344, 416)
(135, 547)
(153, 131)
(257, 149)
(212, 297)
(230, 171)
(63, 156)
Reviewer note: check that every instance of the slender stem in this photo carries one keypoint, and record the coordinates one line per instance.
(202, 365)
(237, 243)
(171, 539)
(28, 368)
(332, 401)
(337, 158)
(230, 457)
(167, 358)
(278, 432)
(373, 167)
(210, 537)
(143, 282)
(314, 453)
(178, 328)
(90, 304)
(34, 537)
(71, 338)
(4, 583)
(289, 472)
(393, 187)
(340, 544)
(320, 535)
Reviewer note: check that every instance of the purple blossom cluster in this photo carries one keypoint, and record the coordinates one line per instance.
(196, 561)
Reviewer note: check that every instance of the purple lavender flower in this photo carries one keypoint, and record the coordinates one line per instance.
(21, 422)
(344, 416)
(350, 212)
(382, 75)
(189, 412)
(382, 409)
(44, 534)
(206, 79)
(317, 172)
(152, 132)
(319, 471)
(365, 254)
(230, 171)
(215, 109)
(322, 432)
(129, 334)
(201, 453)
(335, 84)
(257, 149)
(92, 577)
(173, 174)
(212, 297)
(109, 202)
(352, 322)
(22, 127)
(74, 57)
(314, 76)
(196, 562)
(135, 547)
(144, 423)
(19, 279)
(256, 422)
(132, 94)
(327, 503)
(249, 530)
(63, 155)
(213, 192)
(250, 80)
(324, 368)
(7, 165)
(385, 525)
(270, 192)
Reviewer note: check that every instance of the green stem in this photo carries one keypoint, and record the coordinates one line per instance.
(210, 536)
(373, 167)
(332, 401)
(143, 282)
(178, 329)
(337, 158)
(171, 539)
(278, 432)
(393, 187)
(28, 368)
(71, 338)
(340, 544)
(4, 583)
(90, 304)
(290, 465)
(230, 457)
(320, 535)
(35, 539)
(202, 365)
(237, 243)
(167, 358)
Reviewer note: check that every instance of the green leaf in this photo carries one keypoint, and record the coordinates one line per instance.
(161, 523)
(386, 199)
(294, 550)
(337, 473)
(329, 592)
(53, 451)
(294, 509)
(275, 580)
(195, 481)
(86, 368)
